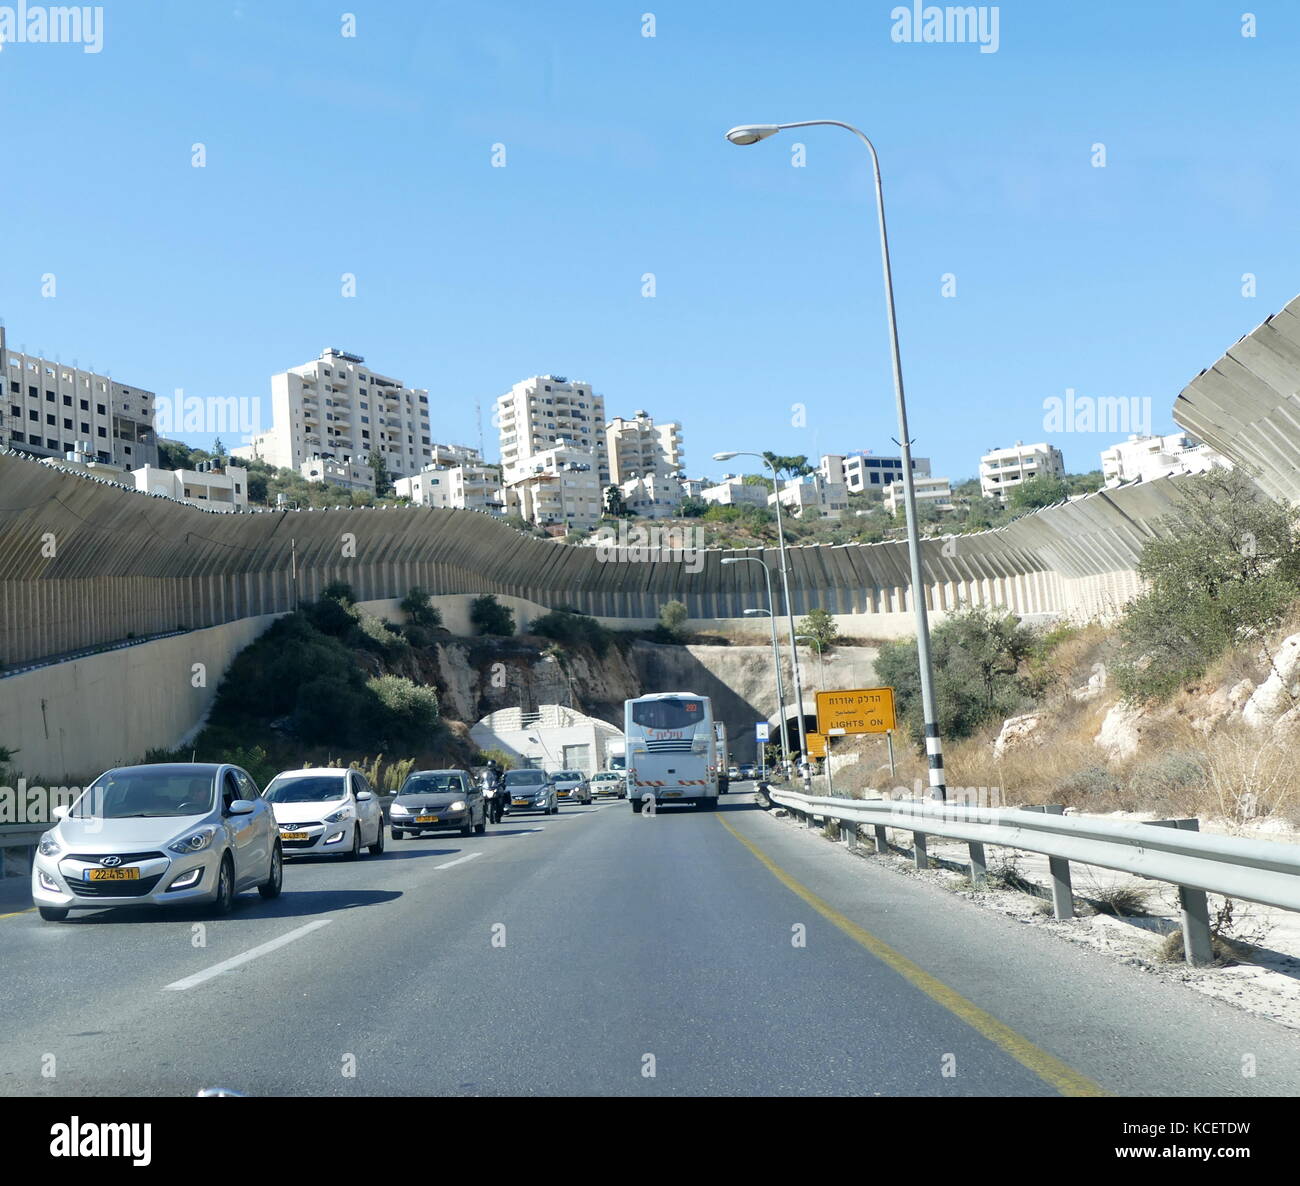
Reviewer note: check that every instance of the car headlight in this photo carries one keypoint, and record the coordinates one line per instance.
(459, 805)
(398, 809)
(194, 842)
(49, 845)
(339, 816)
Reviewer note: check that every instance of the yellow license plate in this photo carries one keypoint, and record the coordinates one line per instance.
(126, 874)
(426, 819)
(520, 802)
(672, 794)
(293, 835)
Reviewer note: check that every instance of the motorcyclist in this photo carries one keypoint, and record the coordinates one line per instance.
(494, 792)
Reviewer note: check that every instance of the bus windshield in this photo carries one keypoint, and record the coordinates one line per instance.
(667, 714)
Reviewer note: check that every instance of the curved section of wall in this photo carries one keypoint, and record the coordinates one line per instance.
(1247, 407)
(85, 561)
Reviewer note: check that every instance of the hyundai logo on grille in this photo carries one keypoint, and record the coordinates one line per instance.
(111, 861)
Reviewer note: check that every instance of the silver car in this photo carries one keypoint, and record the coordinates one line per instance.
(161, 835)
(571, 786)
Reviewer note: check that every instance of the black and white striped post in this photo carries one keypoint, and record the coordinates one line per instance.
(752, 134)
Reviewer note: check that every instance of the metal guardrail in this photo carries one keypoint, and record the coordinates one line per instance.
(1171, 851)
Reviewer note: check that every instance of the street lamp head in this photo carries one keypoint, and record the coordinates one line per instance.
(724, 456)
(752, 133)
(732, 560)
(756, 613)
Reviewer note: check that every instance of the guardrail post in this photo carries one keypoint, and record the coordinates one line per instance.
(849, 830)
(882, 841)
(1062, 890)
(979, 870)
(1194, 906)
(919, 857)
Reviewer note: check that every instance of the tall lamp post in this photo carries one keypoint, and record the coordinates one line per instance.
(751, 134)
(776, 648)
(785, 589)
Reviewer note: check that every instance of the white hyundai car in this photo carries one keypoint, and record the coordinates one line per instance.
(324, 811)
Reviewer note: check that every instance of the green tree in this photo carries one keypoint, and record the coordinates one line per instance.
(790, 467)
(488, 616)
(378, 467)
(820, 625)
(673, 616)
(1042, 491)
(976, 656)
(615, 502)
(419, 610)
(1224, 573)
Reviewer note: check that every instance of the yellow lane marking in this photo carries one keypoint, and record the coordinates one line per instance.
(16, 913)
(1047, 1067)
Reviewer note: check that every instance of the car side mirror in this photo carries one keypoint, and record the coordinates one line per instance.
(59, 813)
(364, 796)
(240, 807)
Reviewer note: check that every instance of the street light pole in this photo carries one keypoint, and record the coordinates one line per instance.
(776, 648)
(751, 134)
(785, 589)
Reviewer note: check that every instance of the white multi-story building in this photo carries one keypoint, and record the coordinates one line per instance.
(354, 474)
(337, 409)
(862, 471)
(215, 484)
(641, 448)
(1146, 458)
(733, 490)
(936, 492)
(547, 412)
(559, 487)
(458, 480)
(655, 496)
(812, 492)
(52, 408)
(1003, 469)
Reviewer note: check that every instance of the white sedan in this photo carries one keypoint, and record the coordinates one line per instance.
(324, 811)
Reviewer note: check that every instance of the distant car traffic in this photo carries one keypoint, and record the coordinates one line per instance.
(160, 835)
(571, 786)
(748, 772)
(438, 800)
(531, 790)
(326, 812)
(609, 782)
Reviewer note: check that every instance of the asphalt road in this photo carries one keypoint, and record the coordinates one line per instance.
(601, 953)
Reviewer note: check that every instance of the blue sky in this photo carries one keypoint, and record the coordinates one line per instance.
(372, 155)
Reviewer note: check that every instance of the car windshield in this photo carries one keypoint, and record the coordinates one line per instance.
(569, 776)
(430, 784)
(130, 794)
(525, 778)
(305, 788)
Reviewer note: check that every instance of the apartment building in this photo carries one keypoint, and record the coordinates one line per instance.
(863, 470)
(639, 448)
(215, 484)
(457, 480)
(546, 412)
(51, 409)
(1144, 458)
(1003, 469)
(559, 487)
(654, 496)
(337, 410)
(733, 490)
(812, 492)
(936, 492)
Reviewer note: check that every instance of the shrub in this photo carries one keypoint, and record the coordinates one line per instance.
(377, 634)
(489, 616)
(339, 591)
(820, 626)
(410, 711)
(418, 609)
(568, 626)
(1225, 572)
(1089, 780)
(673, 616)
(331, 615)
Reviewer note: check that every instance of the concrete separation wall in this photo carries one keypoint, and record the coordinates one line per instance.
(73, 720)
(85, 562)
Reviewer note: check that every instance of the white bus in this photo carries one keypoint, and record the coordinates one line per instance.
(672, 749)
(724, 757)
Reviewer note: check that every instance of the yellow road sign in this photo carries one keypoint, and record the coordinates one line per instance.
(816, 744)
(860, 710)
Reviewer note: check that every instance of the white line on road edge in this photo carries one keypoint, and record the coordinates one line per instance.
(459, 860)
(251, 954)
